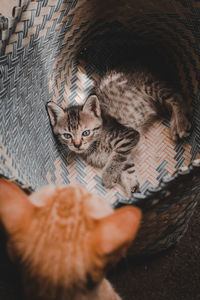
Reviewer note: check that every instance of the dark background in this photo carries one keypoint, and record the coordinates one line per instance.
(173, 275)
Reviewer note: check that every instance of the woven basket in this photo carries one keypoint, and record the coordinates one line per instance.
(55, 50)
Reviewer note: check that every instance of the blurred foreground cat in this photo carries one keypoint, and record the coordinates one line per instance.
(106, 129)
(64, 239)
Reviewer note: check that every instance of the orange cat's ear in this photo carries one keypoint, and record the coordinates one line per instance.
(15, 207)
(114, 234)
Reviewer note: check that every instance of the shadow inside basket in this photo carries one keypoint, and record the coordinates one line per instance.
(156, 155)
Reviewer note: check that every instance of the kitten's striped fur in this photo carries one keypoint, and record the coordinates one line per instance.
(63, 239)
(136, 96)
(123, 103)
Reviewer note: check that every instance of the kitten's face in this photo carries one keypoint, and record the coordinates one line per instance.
(64, 238)
(79, 130)
(78, 127)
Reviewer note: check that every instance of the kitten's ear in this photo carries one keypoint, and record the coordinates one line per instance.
(114, 234)
(92, 106)
(15, 208)
(55, 112)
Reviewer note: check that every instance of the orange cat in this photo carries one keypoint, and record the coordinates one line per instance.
(64, 239)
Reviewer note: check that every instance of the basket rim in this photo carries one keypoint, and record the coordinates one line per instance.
(154, 194)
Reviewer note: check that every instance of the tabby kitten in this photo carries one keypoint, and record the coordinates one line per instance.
(106, 129)
(63, 239)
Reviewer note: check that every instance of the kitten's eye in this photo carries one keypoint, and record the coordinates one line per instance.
(67, 136)
(86, 133)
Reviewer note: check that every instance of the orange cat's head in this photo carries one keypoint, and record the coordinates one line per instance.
(64, 238)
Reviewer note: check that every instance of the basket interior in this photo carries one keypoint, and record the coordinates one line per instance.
(65, 49)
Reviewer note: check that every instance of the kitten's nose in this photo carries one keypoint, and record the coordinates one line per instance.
(77, 145)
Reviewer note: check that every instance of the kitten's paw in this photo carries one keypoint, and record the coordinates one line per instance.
(109, 178)
(179, 127)
(129, 180)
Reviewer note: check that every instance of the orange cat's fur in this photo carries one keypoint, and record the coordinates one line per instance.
(64, 238)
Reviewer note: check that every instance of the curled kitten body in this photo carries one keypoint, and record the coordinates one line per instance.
(106, 129)
(63, 239)
(135, 97)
